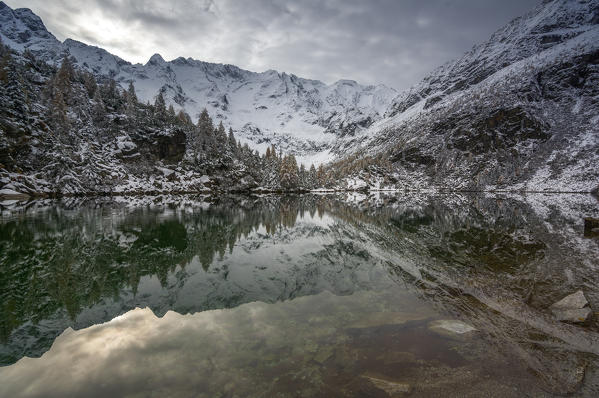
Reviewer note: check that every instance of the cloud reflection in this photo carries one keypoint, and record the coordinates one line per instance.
(240, 350)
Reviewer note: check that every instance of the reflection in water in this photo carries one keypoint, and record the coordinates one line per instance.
(368, 276)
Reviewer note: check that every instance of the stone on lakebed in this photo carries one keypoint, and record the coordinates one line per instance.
(572, 308)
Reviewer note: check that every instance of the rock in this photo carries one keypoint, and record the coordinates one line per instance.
(323, 354)
(591, 227)
(573, 301)
(376, 319)
(451, 328)
(580, 315)
(12, 194)
(392, 388)
(573, 308)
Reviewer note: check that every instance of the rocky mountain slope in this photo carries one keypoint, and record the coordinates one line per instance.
(299, 116)
(518, 112)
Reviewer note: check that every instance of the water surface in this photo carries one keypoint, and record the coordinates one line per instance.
(344, 295)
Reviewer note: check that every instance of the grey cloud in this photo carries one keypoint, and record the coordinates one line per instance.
(379, 41)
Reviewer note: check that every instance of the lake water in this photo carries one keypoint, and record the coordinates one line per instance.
(343, 295)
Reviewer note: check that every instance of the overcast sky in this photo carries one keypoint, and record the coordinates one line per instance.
(395, 42)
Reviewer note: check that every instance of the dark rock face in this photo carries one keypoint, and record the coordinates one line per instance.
(171, 148)
(502, 129)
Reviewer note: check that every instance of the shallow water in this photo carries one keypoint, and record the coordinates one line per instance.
(344, 295)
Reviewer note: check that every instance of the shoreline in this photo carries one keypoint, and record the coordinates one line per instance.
(19, 196)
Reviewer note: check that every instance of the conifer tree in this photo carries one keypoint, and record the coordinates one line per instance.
(289, 172)
(98, 110)
(232, 140)
(64, 77)
(312, 179)
(131, 95)
(221, 136)
(205, 124)
(206, 131)
(160, 108)
(171, 113)
(89, 81)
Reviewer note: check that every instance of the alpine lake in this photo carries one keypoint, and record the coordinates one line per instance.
(332, 295)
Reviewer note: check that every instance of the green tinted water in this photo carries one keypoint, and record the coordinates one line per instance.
(295, 296)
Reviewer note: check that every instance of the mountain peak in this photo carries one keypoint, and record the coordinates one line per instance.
(22, 28)
(156, 59)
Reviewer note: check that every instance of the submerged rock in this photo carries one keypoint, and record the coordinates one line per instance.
(450, 327)
(392, 388)
(573, 308)
(377, 319)
(580, 315)
(574, 301)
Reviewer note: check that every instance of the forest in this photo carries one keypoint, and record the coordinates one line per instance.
(64, 130)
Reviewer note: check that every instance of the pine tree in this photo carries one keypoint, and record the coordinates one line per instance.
(221, 136)
(321, 176)
(205, 123)
(13, 88)
(312, 178)
(160, 109)
(206, 131)
(171, 113)
(131, 95)
(289, 172)
(58, 112)
(64, 77)
(302, 176)
(89, 82)
(98, 110)
(232, 141)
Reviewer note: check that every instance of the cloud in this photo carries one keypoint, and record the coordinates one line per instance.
(379, 41)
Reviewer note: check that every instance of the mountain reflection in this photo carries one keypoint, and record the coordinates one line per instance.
(497, 262)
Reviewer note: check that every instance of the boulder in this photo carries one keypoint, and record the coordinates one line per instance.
(451, 328)
(572, 308)
(573, 315)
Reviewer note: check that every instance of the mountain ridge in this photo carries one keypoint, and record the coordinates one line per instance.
(518, 112)
(297, 115)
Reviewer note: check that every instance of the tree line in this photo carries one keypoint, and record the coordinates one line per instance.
(55, 111)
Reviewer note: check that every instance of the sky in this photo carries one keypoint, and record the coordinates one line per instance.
(393, 42)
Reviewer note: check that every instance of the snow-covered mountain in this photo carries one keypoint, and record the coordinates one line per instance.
(519, 112)
(300, 116)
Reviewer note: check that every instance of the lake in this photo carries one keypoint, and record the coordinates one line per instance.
(341, 295)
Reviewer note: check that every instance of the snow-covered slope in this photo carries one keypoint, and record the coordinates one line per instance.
(300, 116)
(518, 112)
(21, 29)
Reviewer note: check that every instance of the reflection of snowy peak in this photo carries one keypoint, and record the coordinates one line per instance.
(297, 115)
